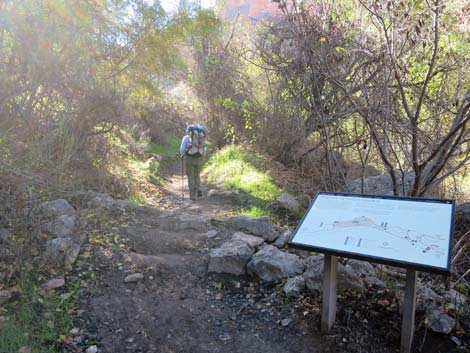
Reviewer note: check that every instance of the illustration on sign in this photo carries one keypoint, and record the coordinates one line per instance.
(397, 229)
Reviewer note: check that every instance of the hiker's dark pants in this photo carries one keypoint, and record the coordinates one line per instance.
(193, 171)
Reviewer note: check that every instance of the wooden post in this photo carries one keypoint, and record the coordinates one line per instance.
(409, 305)
(330, 275)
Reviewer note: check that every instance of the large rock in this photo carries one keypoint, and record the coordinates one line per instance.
(271, 264)
(258, 226)
(288, 202)
(58, 217)
(231, 257)
(62, 226)
(363, 268)
(192, 222)
(439, 321)
(347, 277)
(252, 240)
(56, 247)
(56, 208)
(382, 184)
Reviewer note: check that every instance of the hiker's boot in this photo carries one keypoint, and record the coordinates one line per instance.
(199, 193)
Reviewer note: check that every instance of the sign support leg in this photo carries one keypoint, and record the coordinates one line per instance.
(409, 306)
(330, 276)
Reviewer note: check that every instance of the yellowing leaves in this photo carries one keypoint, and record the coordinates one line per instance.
(323, 39)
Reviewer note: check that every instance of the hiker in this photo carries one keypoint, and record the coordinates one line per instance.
(192, 150)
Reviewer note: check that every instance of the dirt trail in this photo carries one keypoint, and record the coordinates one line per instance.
(177, 306)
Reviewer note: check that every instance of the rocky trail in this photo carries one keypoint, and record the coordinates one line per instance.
(153, 293)
(152, 281)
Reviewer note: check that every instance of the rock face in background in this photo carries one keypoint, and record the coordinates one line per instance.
(271, 264)
(231, 257)
(382, 184)
(253, 9)
(258, 226)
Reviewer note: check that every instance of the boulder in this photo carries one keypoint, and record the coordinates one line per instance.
(288, 202)
(347, 277)
(282, 240)
(271, 264)
(258, 226)
(192, 222)
(56, 247)
(231, 257)
(438, 321)
(100, 200)
(62, 226)
(251, 240)
(294, 286)
(56, 208)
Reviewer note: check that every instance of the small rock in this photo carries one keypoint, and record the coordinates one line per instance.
(135, 277)
(24, 349)
(285, 322)
(288, 202)
(75, 331)
(212, 233)
(440, 322)
(130, 340)
(92, 349)
(283, 239)
(54, 283)
(294, 286)
(5, 235)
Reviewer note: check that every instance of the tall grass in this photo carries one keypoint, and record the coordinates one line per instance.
(242, 171)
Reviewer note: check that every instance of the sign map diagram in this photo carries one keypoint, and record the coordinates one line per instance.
(400, 230)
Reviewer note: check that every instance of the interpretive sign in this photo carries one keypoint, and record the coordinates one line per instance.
(402, 231)
(407, 232)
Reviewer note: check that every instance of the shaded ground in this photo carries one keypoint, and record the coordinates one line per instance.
(177, 307)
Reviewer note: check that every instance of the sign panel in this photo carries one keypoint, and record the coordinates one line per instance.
(407, 232)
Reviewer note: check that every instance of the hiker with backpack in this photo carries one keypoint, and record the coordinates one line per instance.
(192, 151)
